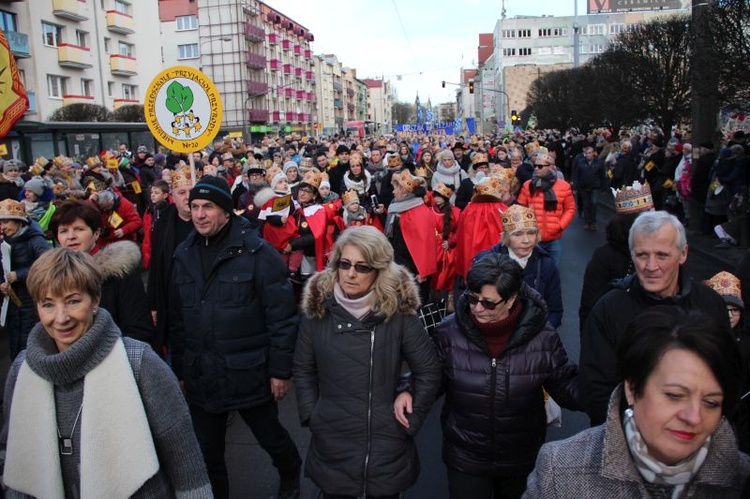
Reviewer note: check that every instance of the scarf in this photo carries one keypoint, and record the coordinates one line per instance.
(358, 307)
(545, 184)
(360, 183)
(114, 429)
(357, 216)
(656, 472)
(521, 261)
(397, 207)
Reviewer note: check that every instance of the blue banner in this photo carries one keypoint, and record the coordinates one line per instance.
(446, 128)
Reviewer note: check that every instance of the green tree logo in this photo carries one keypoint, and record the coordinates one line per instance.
(180, 102)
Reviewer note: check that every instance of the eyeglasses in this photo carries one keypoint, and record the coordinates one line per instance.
(733, 311)
(488, 305)
(305, 189)
(539, 167)
(360, 268)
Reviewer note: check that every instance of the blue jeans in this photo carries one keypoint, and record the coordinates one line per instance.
(554, 248)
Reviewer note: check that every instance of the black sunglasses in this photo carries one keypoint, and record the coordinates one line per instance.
(539, 167)
(360, 268)
(473, 300)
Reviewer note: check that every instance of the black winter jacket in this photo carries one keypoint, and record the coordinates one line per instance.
(588, 176)
(233, 332)
(493, 418)
(607, 322)
(608, 263)
(346, 372)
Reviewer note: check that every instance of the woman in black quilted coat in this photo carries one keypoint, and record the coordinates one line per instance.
(359, 326)
(498, 353)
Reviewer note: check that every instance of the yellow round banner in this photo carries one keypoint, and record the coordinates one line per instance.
(183, 109)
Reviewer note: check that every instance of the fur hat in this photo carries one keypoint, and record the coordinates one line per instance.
(518, 217)
(13, 210)
(182, 177)
(214, 189)
(728, 286)
(406, 180)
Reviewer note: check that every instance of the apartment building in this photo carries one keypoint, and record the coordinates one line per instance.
(82, 51)
(379, 105)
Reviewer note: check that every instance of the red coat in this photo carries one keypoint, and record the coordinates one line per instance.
(130, 224)
(316, 216)
(418, 228)
(446, 274)
(551, 223)
(278, 236)
(479, 228)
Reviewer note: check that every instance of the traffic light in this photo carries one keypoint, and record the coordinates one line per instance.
(513, 116)
(471, 86)
(443, 83)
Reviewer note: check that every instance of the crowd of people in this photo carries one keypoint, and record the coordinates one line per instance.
(308, 263)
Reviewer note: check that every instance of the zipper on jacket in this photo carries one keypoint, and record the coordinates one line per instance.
(369, 411)
(493, 391)
(507, 387)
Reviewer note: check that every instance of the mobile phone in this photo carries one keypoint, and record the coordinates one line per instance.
(375, 202)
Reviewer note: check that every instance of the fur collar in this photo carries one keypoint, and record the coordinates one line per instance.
(117, 260)
(319, 290)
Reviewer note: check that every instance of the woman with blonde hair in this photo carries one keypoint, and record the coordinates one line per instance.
(359, 325)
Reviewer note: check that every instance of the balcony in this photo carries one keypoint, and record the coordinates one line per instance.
(122, 65)
(276, 116)
(298, 50)
(309, 96)
(288, 93)
(337, 87)
(77, 99)
(308, 54)
(258, 115)
(309, 75)
(117, 22)
(19, 44)
(350, 92)
(337, 104)
(257, 88)
(118, 103)
(286, 44)
(273, 39)
(32, 103)
(299, 94)
(256, 61)
(275, 64)
(254, 33)
(298, 72)
(73, 10)
(290, 116)
(287, 69)
(73, 56)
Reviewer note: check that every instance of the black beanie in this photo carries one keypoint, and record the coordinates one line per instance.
(214, 189)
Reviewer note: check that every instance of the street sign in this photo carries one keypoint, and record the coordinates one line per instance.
(183, 109)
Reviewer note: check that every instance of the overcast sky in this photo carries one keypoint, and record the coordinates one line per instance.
(425, 42)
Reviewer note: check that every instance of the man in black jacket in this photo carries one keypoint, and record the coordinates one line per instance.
(233, 331)
(658, 248)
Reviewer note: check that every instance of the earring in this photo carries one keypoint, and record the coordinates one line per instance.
(96, 310)
(629, 412)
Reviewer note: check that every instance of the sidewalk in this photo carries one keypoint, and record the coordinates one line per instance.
(704, 246)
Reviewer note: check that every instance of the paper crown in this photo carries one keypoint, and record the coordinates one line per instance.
(394, 160)
(443, 190)
(500, 171)
(350, 197)
(312, 178)
(61, 161)
(182, 177)
(541, 155)
(41, 161)
(406, 180)
(490, 186)
(421, 171)
(12, 210)
(479, 158)
(113, 164)
(271, 173)
(93, 162)
(531, 147)
(518, 217)
(93, 184)
(633, 199)
(728, 286)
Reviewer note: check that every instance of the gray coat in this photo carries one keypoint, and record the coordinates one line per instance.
(597, 463)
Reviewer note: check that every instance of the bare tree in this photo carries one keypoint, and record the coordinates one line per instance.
(729, 38)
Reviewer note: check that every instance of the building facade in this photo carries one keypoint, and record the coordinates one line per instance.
(379, 105)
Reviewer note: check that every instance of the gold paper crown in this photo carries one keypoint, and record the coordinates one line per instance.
(271, 173)
(12, 210)
(61, 161)
(93, 162)
(489, 186)
(92, 185)
(350, 197)
(182, 177)
(501, 172)
(406, 180)
(531, 147)
(633, 199)
(421, 171)
(725, 283)
(541, 155)
(394, 160)
(41, 161)
(113, 164)
(312, 178)
(479, 158)
(518, 217)
(443, 190)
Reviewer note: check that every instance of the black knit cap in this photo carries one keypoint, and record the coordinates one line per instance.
(214, 189)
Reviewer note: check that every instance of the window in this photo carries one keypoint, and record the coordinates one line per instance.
(8, 21)
(129, 92)
(107, 46)
(594, 29)
(616, 29)
(596, 48)
(110, 88)
(56, 86)
(81, 38)
(550, 32)
(524, 33)
(524, 51)
(186, 22)
(125, 49)
(189, 51)
(509, 33)
(509, 52)
(122, 7)
(52, 34)
(87, 87)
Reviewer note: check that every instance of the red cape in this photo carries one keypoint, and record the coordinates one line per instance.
(419, 228)
(318, 221)
(479, 228)
(279, 237)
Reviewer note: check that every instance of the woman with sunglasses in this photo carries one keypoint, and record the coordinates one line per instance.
(499, 352)
(359, 325)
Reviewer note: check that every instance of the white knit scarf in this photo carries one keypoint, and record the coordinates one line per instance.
(654, 471)
(117, 449)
